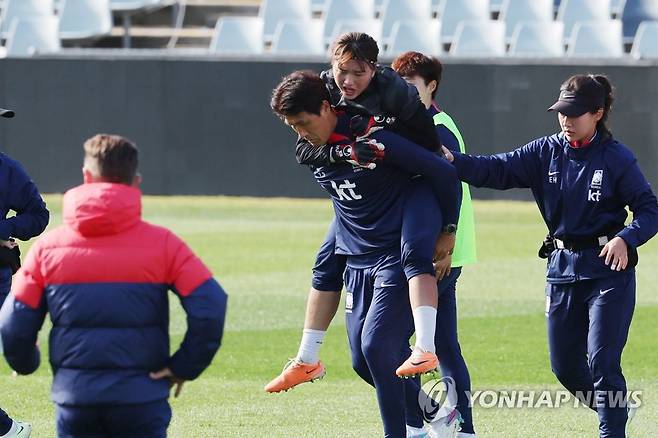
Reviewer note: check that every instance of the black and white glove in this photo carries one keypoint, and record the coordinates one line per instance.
(364, 152)
(362, 126)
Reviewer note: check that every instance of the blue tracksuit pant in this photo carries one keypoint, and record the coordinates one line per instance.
(5, 422)
(147, 420)
(451, 361)
(421, 224)
(588, 323)
(379, 324)
(5, 286)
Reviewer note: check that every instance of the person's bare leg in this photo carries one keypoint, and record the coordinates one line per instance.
(321, 307)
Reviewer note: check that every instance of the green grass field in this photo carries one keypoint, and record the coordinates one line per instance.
(261, 250)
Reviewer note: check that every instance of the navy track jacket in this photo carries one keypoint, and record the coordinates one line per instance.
(18, 193)
(387, 94)
(368, 203)
(581, 193)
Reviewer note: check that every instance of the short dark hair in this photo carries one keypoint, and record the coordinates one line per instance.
(300, 91)
(355, 45)
(112, 157)
(411, 64)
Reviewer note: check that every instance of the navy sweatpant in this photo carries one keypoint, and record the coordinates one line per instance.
(5, 422)
(379, 324)
(451, 361)
(147, 420)
(421, 225)
(5, 286)
(588, 323)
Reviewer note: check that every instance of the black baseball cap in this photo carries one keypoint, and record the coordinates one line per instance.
(6, 113)
(589, 97)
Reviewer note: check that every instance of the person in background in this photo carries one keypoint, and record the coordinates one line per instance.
(18, 193)
(425, 73)
(582, 179)
(103, 276)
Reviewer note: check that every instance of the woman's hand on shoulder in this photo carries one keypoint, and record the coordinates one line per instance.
(448, 154)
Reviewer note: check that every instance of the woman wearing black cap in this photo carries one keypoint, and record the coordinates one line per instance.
(582, 180)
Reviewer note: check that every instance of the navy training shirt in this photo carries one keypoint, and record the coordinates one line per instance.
(368, 203)
(581, 193)
(18, 193)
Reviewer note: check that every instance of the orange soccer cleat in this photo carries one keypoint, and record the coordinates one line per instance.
(295, 373)
(420, 362)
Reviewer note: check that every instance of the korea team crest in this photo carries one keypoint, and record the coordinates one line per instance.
(597, 179)
(594, 193)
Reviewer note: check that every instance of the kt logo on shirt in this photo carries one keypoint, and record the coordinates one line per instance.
(345, 191)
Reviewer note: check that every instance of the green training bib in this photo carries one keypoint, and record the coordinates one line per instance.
(464, 252)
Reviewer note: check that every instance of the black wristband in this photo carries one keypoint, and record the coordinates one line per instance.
(449, 229)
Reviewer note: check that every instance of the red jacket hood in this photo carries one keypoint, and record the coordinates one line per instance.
(98, 209)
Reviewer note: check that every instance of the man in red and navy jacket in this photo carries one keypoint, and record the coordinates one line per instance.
(104, 277)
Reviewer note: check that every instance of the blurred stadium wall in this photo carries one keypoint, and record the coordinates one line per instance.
(205, 127)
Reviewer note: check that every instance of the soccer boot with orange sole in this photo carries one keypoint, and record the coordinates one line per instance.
(295, 373)
(420, 362)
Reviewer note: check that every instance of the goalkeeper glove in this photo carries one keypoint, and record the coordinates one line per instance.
(364, 152)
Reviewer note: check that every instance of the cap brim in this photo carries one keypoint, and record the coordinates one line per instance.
(569, 109)
(6, 113)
